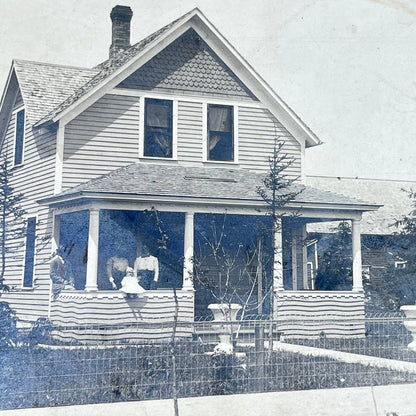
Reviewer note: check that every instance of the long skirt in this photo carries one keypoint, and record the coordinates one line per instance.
(146, 279)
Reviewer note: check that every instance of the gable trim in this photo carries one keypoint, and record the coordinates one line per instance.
(5, 118)
(154, 47)
(197, 21)
(255, 83)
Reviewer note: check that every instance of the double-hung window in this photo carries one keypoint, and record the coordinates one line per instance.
(29, 265)
(158, 131)
(19, 135)
(220, 135)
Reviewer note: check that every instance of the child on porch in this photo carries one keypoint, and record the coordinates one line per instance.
(129, 284)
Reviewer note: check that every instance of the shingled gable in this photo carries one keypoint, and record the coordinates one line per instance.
(124, 64)
(140, 180)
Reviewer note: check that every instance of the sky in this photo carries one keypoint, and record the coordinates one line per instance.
(346, 67)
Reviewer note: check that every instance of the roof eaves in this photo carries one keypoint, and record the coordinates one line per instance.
(310, 137)
(339, 205)
(4, 111)
(111, 69)
(9, 77)
(146, 197)
(151, 197)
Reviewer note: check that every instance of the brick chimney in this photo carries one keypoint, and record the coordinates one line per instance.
(120, 40)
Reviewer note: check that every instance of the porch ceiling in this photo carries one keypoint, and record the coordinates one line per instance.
(190, 184)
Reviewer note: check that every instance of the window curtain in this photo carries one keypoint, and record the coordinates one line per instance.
(157, 116)
(219, 119)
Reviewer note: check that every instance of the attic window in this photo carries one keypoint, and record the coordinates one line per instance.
(158, 128)
(19, 135)
(220, 133)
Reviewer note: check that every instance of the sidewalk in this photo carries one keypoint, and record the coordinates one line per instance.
(356, 401)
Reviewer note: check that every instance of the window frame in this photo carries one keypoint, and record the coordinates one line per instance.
(22, 156)
(142, 127)
(27, 219)
(205, 136)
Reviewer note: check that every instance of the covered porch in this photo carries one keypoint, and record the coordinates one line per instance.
(114, 225)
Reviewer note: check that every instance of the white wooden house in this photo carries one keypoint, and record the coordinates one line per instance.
(179, 123)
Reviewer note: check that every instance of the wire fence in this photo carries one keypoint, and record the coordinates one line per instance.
(48, 369)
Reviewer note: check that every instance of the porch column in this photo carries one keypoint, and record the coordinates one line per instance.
(188, 252)
(92, 261)
(357, 277)
(56, 226)
(278, 258)
(294, 259)
(304, 258)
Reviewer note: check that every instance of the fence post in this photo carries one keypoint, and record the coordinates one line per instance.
(259, 349)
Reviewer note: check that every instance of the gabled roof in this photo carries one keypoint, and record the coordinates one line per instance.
(42, 86)
(164, 180)
(113, 71)
(104, 70)
(45, 86)
(391, 194)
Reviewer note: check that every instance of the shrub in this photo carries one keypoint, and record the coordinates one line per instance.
(40, 332)
(8, 330)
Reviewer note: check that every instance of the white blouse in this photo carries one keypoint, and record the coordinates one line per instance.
(147, 263)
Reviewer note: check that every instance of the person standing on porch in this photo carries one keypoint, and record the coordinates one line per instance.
(60, 273)
(146, 268)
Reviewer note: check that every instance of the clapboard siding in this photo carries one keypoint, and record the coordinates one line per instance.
(106, 137)
(189, 131)
(312, 314)
(34, 179)
(101, 139)
(257, 130)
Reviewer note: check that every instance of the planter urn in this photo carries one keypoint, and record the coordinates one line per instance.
(410, 323)
(223, 313)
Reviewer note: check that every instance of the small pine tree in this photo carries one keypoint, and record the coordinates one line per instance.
(278, 190)
(12, 224)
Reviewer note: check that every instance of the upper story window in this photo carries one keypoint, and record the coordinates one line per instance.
(158, 132)
(220, 136)
(19, 135)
